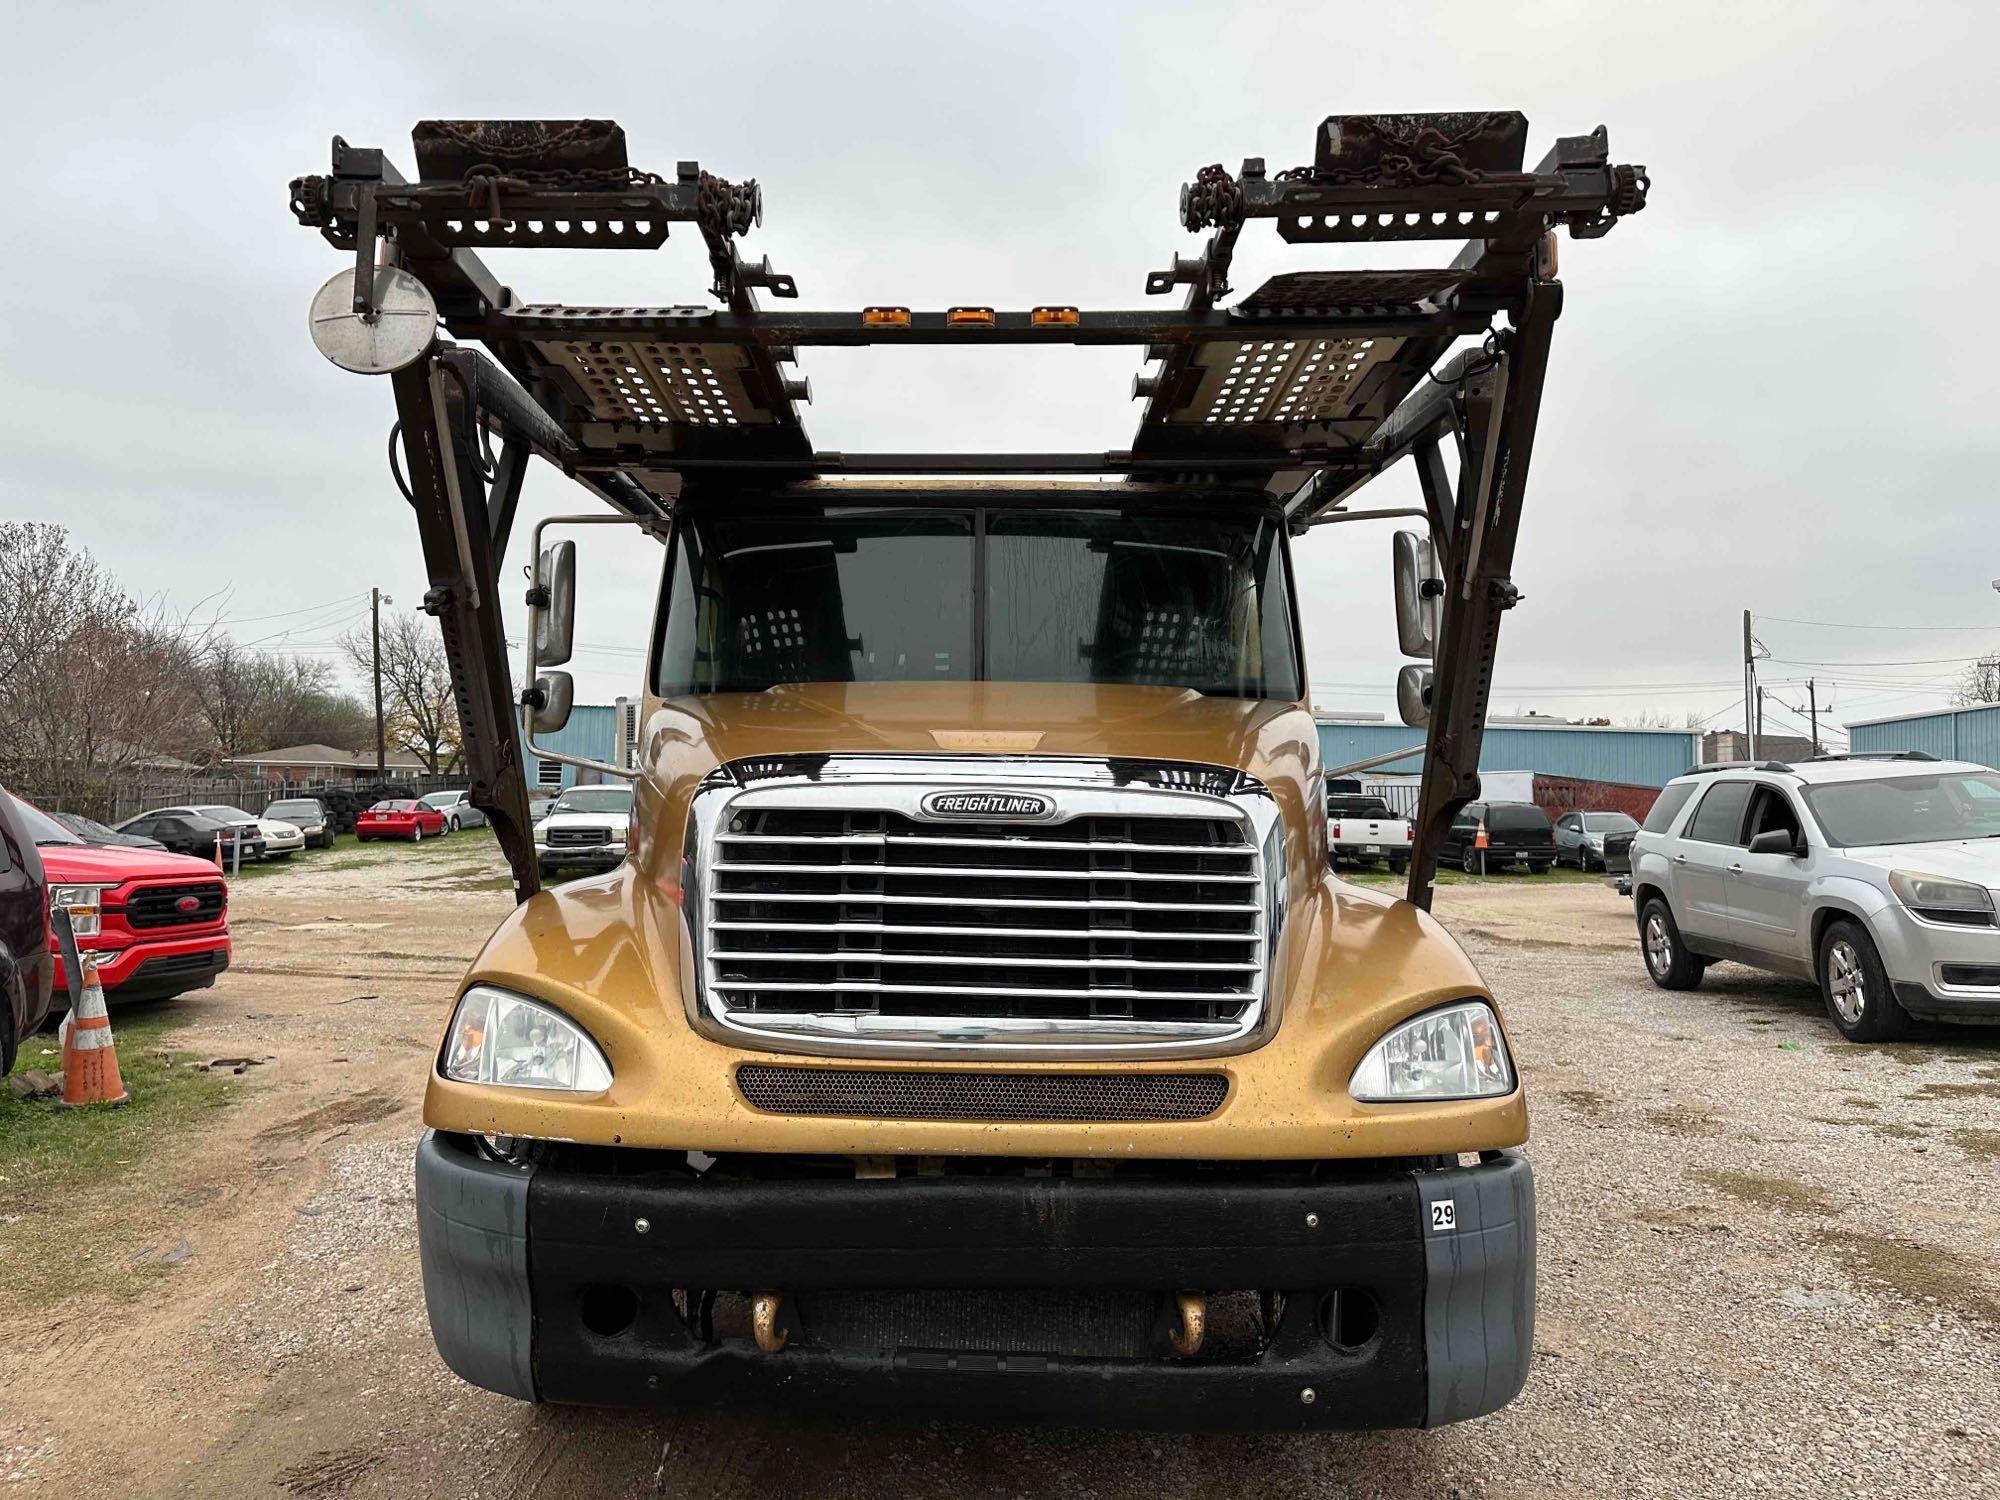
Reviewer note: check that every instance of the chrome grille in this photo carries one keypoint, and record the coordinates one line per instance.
(853, 914)
(880, 1094)
(577, 838)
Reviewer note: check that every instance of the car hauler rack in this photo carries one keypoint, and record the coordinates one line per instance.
(1299, 392)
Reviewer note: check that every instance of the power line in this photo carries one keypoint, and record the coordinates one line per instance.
(1851, 625)
(1930, 661)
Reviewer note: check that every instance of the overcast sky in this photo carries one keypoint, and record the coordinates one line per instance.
(1773, 389)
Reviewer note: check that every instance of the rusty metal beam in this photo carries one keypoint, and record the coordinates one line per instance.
(1496, 412)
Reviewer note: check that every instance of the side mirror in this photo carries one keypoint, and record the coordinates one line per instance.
(1777, 841)
(1413, 696)
(1419, 594)
(553, 619)
(555, 695)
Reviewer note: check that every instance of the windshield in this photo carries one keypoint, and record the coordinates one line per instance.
(845, 594)
(1608, 823)
(1908, 809)
(595, 799)
(42, 829)
(292, 810)
(223, 814)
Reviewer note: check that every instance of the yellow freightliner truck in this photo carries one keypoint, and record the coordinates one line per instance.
(975, 1023)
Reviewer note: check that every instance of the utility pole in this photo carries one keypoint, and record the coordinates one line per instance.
(376, 599)
(1812, 707)
(1749, 691)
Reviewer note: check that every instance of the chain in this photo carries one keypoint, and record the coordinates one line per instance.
(1212, 198)
(576, 133)
(1424, 159)
(723, 208)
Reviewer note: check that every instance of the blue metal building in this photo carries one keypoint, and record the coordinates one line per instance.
(1971, 733)
(1629, 757)
(592, 732)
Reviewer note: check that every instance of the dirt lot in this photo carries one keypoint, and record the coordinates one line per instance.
(1770, 1261)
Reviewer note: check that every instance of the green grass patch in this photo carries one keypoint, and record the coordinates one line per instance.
(44, 1149)
(350, 853)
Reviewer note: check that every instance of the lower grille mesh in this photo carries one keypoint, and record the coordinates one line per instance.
(898, 1095)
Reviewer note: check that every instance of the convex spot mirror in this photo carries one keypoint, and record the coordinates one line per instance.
(555, 695)
(553, 618)
(1413, 696)
(1419, 594)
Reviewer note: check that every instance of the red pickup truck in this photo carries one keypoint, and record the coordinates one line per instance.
(162, 920)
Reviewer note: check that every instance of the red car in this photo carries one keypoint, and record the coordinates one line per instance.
(399, 819)
(158, 923)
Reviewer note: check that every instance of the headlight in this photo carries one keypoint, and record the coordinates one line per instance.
(1943, 900)
(1452, 1053)
(500, 1038)
(85, 915)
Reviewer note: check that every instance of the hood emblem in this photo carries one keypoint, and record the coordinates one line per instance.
(984, 805)
(188, 903)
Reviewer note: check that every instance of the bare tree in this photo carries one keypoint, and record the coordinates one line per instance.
(231, 689)
(1978, 683)
(95, 682)
(419, 709)
(303, 705)
(1660, 718)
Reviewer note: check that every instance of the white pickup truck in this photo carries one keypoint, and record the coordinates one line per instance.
(1361, 829)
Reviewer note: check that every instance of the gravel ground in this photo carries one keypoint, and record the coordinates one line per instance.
(1770, 1262)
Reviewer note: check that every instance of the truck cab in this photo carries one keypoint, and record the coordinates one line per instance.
(974, 1022)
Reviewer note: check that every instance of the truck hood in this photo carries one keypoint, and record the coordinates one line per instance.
(1976, 860)
(86, 864)
(992, 718)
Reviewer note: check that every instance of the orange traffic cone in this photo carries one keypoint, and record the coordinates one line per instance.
(89, 1060)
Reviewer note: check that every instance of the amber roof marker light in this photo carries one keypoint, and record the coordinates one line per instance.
(968, 317)
(1055, 317)
(885, 317)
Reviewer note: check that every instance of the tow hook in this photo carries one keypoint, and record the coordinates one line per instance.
(1191, 1309)
(765, 1309)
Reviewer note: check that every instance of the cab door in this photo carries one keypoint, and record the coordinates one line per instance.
(1702, 856)
(1767, 902)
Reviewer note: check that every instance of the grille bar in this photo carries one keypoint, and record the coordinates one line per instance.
(871, 986)
(892, 1094)
(1120, 904)
(987, 872)
(864, 955)
(885, 929)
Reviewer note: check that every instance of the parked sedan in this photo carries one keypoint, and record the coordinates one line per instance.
(190, 833)
(308, 815)
(1581, 837)
(399, 818)
(457, 809)
(93, 832)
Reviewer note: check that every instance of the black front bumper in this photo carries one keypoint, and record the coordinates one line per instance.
(515, 1259)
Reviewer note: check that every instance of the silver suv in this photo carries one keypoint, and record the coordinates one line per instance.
(1872, 875)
